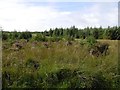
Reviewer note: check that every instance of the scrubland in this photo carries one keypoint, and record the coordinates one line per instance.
(57, 65)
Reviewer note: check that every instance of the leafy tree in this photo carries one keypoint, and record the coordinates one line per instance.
(25, 35)
(95, 33)
(51, 32)
(112, 33)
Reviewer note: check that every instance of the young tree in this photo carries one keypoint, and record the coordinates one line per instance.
(51, 32)
(95, 33)
(25, 35)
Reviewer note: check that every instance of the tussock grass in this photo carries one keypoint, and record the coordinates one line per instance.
(58, 59)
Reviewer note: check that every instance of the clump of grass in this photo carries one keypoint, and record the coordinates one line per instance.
(32, 63)
(82, 42)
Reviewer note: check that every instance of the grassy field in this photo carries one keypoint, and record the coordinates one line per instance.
(58, 65)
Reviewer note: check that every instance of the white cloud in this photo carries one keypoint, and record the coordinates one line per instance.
(19, 16)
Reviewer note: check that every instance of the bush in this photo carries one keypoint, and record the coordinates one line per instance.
(91, 41)
(55, 39)
(69, 38)
(25, 35)
(40, 37)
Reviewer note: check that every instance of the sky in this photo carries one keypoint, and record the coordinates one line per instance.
(22, 15)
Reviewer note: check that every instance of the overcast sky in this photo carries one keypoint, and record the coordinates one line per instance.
(39, 16)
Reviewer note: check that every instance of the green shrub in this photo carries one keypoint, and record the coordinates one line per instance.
(91, 41)
(54, 39)
(24, 35)
(40, 37)
(68, 38)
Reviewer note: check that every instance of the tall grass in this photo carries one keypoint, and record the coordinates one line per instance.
(59, 66)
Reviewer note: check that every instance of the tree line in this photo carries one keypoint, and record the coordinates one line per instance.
(112, 33)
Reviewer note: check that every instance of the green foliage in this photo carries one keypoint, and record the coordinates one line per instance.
(60, 66)
(25, 35)
(51, 32)
(15, 35)
(54, 39)
(4, 36)
(69, 38)
(112, 33)
(91, 41)
(95, 33)
(82, 42)
(40, 37)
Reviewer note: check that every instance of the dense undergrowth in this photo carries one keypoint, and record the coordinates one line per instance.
(59, 65)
